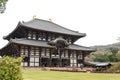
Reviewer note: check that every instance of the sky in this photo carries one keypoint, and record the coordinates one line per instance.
(99, 19)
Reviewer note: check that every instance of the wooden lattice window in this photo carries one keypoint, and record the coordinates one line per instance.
(34, 35)
(29, 35)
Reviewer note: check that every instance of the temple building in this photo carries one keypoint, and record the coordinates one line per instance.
(45, 44)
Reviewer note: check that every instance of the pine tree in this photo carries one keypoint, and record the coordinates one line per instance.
(2, 5)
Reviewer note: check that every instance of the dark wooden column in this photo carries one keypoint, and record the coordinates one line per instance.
(19, 51)
(69, 53)
(46, 38)
(50, 63)
(39, 57)
(60, 61)
(77, 57)
(37, 35)
(28, 55)
(83, 56)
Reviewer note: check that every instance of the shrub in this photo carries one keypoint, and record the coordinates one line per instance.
(115, 67)
(10, 68)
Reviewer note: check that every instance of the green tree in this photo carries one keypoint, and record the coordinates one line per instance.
(111, 54)
(2, 5)
(101, 58)
(114, 50)
(118, 55)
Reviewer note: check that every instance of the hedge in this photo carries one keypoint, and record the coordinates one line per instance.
(10, 68)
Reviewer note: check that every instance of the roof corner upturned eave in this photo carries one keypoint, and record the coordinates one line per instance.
(9, 43)
(8, 36)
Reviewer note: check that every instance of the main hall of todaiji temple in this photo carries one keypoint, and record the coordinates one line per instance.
(45, 44)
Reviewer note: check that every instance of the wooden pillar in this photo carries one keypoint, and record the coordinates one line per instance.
(28, 56)
(46, 38)
(77, 57)
(39, 57)
(19, 50)
(50, 63)
(83, 56)
(69, 53)
(37, 35)
(60, 61)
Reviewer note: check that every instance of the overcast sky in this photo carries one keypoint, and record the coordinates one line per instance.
(99, 19)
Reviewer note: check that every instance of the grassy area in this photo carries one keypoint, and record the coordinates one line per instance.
(54, 75)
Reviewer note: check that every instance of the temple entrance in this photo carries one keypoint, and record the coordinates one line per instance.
(45, 62)
(65, 62)
(55, 62)
(60, 44)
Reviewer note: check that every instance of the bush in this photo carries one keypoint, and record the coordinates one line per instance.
(115, 67)
(10, 68)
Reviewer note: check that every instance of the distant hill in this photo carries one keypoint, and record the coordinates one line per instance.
(104, 47)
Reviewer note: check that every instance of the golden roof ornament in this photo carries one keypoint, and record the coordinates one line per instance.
(34, 16)
(50, 19)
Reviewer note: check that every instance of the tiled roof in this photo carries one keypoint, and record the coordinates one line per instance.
(45, 44)
(51, 27)
(98, 63)
(78, 47)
